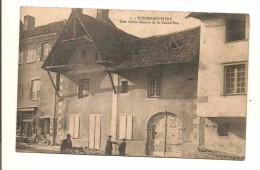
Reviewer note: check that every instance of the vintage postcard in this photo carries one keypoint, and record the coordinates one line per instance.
(132, 83)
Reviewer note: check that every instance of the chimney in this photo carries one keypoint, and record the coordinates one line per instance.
(29, 22)
(77, 10)
(102, 15)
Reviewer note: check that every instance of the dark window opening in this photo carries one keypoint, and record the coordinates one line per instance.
(235, 30)
(223, 130)
(83, 54)
(124, 86)
(174, 44)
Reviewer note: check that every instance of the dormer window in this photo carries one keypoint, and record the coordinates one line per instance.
(173, 44)
(235, 30)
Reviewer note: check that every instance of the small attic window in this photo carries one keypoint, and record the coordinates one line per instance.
(173, 44)
(83, 54)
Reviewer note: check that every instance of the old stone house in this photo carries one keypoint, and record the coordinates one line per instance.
(111, 82)
(35, 105)
(222, 80)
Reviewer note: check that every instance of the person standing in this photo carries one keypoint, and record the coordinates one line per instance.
(122, 147)
(109, 146)
(66, 145)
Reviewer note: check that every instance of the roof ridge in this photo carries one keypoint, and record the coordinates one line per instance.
(52, 23)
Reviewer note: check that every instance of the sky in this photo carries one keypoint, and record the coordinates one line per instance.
(178, 22)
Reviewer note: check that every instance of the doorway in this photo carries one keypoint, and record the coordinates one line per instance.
(164, 137)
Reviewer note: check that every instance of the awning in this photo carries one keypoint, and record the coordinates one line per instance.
(26, 109)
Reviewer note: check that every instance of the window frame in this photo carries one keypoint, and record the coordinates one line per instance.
(223, 130)
(155, 76)
(32, 91)
(124, 88)
(21, 55)
(234, 64)
(227, 28)
(32, 53)
(47, 50)
(81, 96)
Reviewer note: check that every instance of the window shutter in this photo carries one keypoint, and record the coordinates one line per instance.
(129, 127)
(71, 126)
(33, 52)
(122, 127)
(97, 131)
(91, 131)
(38, 56)
(76, 127)
(21, 57)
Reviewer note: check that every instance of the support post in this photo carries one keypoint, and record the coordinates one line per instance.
(112, 82)
(52, 82)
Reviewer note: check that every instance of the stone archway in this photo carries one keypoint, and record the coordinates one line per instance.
(164, 135)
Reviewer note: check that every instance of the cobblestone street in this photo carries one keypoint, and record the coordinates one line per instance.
(44, 148)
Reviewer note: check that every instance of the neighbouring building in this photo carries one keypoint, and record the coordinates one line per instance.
(111, 82)
(222, 80)
(36, 97)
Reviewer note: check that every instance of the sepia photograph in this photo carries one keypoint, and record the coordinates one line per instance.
(132, 83)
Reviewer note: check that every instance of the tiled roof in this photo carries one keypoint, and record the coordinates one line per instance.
(177, 47)
(121, 50)
(102, 34)
(54, 27)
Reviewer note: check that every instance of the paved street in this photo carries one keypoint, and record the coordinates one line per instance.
(44, 148)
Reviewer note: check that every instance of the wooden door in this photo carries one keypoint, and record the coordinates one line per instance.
(165, 135)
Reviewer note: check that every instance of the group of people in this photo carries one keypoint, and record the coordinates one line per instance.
(109, 146)
(66, 146)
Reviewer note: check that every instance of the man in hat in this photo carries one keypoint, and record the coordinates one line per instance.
(109, 146)
(122, 147)
(66, 145)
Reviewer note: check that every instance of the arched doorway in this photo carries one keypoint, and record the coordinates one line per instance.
(164, 135)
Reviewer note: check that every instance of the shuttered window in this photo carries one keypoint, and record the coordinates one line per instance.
(46, 50)
(74, 126)
(31, 53)
(126, 127)
(21, 56)
(94, 130)
(35, 89)
(39, 52)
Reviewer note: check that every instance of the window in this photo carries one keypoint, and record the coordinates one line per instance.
(74, 126)
(83, 54)
(154, 83)
(83, 88)
(223, 130)
(46, 48)
(235, 30)
(39, 52)
(20, 56)
(235, 79)
(31, 53)
(35, 89)
(126, 127)
(124, 86)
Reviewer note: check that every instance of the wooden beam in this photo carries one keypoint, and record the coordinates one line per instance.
(52, 82)
(112, 82)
